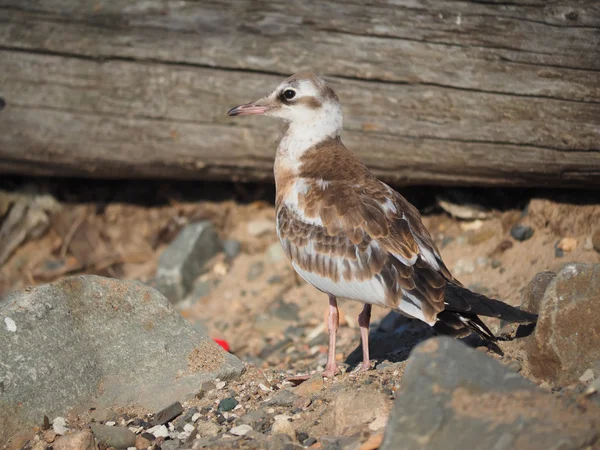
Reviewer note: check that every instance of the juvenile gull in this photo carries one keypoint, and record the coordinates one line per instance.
(351, 235)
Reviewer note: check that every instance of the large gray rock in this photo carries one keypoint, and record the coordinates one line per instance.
(92, 341)
(456, 398)
(184, 259)
(566, 340)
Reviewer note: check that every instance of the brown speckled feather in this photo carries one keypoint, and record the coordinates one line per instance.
(346, 225)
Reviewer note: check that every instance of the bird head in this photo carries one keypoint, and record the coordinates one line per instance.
(304, 100)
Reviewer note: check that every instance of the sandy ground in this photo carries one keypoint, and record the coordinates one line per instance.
(276, 322)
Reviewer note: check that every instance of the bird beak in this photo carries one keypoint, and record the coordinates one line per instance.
(247, 109)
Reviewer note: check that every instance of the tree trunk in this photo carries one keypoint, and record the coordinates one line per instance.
(433, 92)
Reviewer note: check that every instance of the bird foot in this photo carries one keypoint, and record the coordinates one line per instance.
(330, 371)
(364, 367)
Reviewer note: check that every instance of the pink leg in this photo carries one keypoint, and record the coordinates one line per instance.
(332, 325)
(363, 322)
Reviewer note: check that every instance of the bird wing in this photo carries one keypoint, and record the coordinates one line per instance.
(364, 242)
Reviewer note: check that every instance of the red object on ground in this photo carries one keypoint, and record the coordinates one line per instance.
(223, 343)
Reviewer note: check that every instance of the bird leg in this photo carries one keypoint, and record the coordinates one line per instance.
(364, 318)
(332, 325)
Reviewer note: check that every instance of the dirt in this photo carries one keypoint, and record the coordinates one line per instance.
(275, 322)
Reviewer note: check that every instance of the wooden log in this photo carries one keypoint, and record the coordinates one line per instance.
(435, 92)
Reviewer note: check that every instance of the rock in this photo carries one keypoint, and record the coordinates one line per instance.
(566, 340)
(283, 425)
(207, 429)
(373, 442)
(521, 232)
(587, 376)
(311, 386)
(49, 436)
(501, 248)
(170, 445)
(596, 240)
(141, 443)
(309, 442)
(240, 430)
(567, 244)
(358, 407)
(207, 386)
(82, 440)
(558, 252)
(227, 404)
(39, 445)
(534, 292)
(59, 426)
(252, 418)
(259, 227)
(338, 443)
(159, 431)
(122, 336)
(460, 204)
(116, 437)
(282, 398)
(255, 270)
(184, 259)
(18, 441)
(184, 419)
(167, 414)
(231, 248)
(280, 442)
(449, 388)
(103, 415)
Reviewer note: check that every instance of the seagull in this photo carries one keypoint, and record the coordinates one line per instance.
(352, 236)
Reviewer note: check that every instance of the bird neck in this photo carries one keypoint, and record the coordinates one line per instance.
(304, 133)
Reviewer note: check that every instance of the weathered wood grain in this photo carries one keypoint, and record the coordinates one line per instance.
(461, 92)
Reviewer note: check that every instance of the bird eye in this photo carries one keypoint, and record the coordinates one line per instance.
(289, 94)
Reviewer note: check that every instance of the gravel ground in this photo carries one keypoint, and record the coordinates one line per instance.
(250, 297)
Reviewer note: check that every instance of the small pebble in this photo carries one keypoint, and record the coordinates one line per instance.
(567, 244)
(59, 425)
(521, 232)
(309, 442)
(240, 430)
(588, 375)
(208, 386)
(220, 385)
(227, 404)
(231, 248)
(302, 436)
(558, 252)
(515, 366)
(255, 270)
(282, 425)
(196, 416)
(159, 431)
(49, 436)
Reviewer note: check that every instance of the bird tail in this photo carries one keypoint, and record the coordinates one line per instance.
(463, 307)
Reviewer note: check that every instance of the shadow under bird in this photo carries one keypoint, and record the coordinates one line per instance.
(352, 236)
